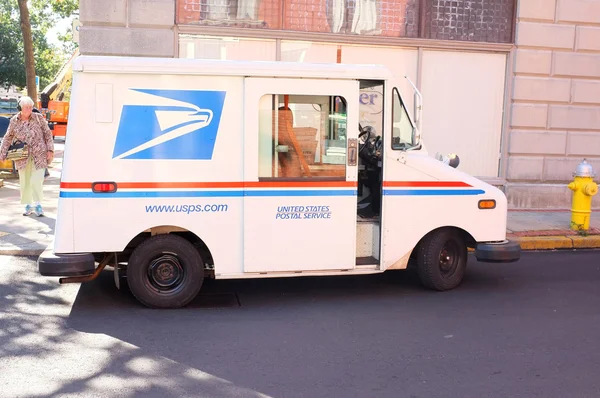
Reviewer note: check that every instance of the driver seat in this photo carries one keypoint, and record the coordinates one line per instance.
(293, 163)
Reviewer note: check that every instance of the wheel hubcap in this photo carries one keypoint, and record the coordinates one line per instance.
(165, 273)
(449, 258)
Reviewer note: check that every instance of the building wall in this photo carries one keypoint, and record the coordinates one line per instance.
(456, 51)
(555, 119)
(127, 27)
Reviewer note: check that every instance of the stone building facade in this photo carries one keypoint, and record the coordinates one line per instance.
(555, 120)
(512, 86)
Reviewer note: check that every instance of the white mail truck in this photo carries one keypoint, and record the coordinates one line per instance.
(176, 170)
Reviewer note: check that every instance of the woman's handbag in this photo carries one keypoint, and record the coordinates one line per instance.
(17, 151)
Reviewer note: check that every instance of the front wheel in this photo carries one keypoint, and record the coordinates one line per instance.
(442, 260)
(165, 271)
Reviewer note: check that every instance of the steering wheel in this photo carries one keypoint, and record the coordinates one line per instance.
(369, 146)
(362, 140)
(361, 132)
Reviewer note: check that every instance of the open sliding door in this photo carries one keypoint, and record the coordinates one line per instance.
(300, 150)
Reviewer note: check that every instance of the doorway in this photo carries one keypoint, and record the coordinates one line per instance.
(370, 173)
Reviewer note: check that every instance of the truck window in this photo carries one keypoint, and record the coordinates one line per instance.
(402, 130)
(371, 105)
(302, 136)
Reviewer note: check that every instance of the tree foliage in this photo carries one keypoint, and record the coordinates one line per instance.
(64, 8)
(43, 15)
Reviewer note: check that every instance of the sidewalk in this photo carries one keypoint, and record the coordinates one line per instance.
(29, 236)
(547, 230)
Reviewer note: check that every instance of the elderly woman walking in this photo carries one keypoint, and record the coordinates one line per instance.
(32, 129)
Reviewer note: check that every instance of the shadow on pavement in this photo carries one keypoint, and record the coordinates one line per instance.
(356, 336)
(276, 335)
(42, 355)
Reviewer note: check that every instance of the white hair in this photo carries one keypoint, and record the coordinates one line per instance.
(24, 101)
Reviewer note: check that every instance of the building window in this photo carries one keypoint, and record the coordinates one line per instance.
(466, 20)
(235, 13)
(463, 20)
(302, 136)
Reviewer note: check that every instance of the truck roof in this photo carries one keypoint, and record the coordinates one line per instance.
(150, 65)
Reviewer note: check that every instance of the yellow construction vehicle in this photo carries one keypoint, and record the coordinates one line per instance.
(55, 97)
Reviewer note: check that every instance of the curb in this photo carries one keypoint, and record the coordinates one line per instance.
(529, 243)
(21, 253)
(33, 250)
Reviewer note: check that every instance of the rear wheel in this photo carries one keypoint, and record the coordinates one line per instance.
(165, 271)
(442, 259)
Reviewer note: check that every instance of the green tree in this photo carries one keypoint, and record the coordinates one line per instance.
(47, 58)
(12, 67)
(64, 8)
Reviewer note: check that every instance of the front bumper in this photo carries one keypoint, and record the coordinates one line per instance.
(501, 252)
(78, 264)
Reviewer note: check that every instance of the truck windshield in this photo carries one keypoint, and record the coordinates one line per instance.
(403, 136)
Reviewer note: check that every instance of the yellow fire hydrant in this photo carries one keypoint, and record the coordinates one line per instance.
(583, 188)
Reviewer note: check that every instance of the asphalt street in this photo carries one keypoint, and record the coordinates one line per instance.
(529, 329)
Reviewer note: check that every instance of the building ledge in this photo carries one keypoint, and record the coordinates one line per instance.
(344, 39)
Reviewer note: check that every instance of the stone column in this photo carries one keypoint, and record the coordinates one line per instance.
(142, 28)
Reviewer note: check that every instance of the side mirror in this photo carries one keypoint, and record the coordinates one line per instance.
(451, 159)
(416, 137)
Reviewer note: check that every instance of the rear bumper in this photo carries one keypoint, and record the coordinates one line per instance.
(501, 252)
(51, 264)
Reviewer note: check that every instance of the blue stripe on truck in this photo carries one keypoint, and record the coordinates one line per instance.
(433, 192)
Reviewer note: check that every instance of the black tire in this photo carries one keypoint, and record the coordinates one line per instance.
(165, 271)
(442, 259)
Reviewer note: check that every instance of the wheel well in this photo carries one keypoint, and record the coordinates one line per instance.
(170, 229)
(469, 240)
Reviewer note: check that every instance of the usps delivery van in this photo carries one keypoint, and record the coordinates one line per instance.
(176, 170)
